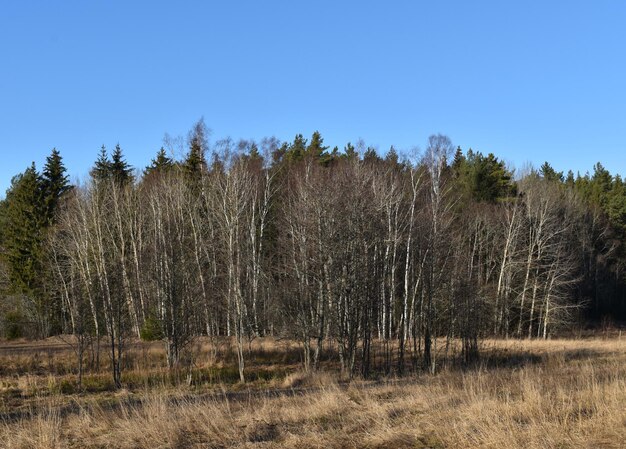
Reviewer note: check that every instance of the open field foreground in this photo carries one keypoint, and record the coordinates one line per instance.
(531, 394)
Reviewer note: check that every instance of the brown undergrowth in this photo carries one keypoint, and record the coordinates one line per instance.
(550, 394)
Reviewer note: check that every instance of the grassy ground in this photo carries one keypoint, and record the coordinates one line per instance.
(529, 394)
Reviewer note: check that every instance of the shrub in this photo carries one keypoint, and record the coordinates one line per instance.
(13, 325)
(151, 329)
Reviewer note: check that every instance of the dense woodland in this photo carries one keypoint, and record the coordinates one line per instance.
(343, 249)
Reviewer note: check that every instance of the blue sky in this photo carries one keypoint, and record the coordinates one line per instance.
(529, 81)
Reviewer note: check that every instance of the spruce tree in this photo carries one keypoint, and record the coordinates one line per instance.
(101, 170)
(458, 162)
(392, 156)
(550, 174)
(254, 157)
(121, 171)
(162, 163)
(54, 182)
(23, 233)
(195, 163)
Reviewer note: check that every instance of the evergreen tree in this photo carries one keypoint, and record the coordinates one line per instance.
(23, 233)
(278, 155)
(120, 170)
(392, 156)
(616, 205)
(254, 157)
(329, 158)
(458, 157)
(484, 178)
(162, 163)
(195, 162)
(349, 151)
(3, 222)
(54, 183)
(370, 156)
(316, 148)
(600, 185)
(297, 149)
(550, 174)
(101, 170)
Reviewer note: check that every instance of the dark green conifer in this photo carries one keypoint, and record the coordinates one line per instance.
(121, 171)
(550, 174)
(392, 156)
(297, 149)
(316, 148)
(54, 183)
(195, 162)
(349, 151)
(162, 163)
(101, 170)
(370, 156)
(23, 233)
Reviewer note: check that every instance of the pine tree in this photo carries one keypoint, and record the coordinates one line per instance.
(601, 183)
(297, 149)
(370, 156)
(316, 148)
(483, 178)
(349, 152)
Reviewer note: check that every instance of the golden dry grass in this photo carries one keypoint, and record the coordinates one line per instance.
(558, 394)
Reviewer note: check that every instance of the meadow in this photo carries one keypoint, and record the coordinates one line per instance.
(560, 393)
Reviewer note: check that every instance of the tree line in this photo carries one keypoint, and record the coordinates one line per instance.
(388, 261)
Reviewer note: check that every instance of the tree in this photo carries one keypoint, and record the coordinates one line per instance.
(316, 148)
(23, 238)
(484, 178)
(550, 174)
(298, 149)
(161, 164)
(195, 164)
(350, 152)
(437, 153)
(370, 156)
(120, 171)
(392, 156)
(101, 169)
(55, 184)
(331, 249)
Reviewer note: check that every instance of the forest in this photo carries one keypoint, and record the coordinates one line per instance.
(382, 260)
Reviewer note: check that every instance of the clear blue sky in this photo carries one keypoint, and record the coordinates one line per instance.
(527, 80)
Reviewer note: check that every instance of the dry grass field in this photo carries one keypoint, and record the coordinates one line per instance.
(524, 394)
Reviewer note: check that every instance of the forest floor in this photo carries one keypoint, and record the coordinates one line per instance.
(560, 393)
